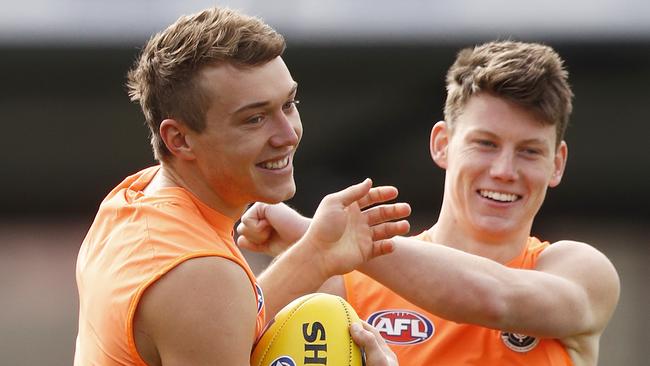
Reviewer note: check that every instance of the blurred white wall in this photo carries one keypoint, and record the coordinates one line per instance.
(95, 22)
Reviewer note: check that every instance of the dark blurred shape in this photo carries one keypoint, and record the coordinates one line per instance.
(71, 134)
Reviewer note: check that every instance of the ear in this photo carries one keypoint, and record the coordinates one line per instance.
(438, 143)
(559, 163)
(174, 135)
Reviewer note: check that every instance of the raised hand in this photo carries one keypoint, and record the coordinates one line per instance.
(380, 218)
(343, 237)
(273, 228)
(338, 239)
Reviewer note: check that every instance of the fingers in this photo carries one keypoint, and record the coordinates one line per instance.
(377, 351)
(375, 334)
(389, 229)
(253, 220)
(352, 193)
(377, 195)
(288, 223)
(254, 230)
(387, 212)
(381, 247)
(363, 338)
(242, 242)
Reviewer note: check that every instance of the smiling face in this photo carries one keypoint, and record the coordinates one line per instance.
(253, 128)
(499, 160)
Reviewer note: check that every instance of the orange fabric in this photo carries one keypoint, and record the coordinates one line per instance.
(420, 338)
(134, 240)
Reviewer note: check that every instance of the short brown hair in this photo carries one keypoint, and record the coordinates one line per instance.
(163, 77)
(529, 74)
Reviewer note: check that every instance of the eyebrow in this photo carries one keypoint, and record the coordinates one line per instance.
(263, 103)
(493, 135)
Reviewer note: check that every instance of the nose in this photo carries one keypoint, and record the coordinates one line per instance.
(504, 166)
(288, 130)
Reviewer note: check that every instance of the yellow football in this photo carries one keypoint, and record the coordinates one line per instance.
(311, 330)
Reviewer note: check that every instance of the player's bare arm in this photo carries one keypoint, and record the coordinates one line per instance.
(200, 313)
(339, 238)
(272, 228)
(592, 283)
(572, 292)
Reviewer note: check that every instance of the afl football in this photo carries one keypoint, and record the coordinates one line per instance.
(311, 330)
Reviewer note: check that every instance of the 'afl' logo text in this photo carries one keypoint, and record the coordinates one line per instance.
(519, 342)
(283, 361)
(260, 298)
(402, 326)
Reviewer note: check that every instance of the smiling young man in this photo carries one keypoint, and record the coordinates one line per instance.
(476, 288)
(160, 279)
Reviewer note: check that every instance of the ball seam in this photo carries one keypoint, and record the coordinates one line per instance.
(347, 315)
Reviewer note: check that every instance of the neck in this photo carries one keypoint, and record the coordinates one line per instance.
(172, 175)
(500, 247)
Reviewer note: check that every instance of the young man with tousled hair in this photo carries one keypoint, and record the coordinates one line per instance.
(476, 288)
(160, 279)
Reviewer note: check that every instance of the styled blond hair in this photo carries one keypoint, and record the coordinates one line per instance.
(163, 78)
(529, 74)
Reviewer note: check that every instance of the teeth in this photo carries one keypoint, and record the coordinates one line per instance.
(498, 196)
(276, 164)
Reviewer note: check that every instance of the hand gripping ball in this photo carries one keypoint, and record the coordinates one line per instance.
(310, 331)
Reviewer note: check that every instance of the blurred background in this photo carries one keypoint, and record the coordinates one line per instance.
(371, 77)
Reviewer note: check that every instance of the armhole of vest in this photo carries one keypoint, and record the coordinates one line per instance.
(537, 250)
(133, 305)
(564, 350)
(567, 356)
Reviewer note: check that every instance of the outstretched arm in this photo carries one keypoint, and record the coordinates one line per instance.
(339, 239)
(272, 228)
(573, 290)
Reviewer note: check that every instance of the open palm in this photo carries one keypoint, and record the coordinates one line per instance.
(339, 231)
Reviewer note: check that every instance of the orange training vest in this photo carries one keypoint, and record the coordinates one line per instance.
(420, 338)
(134, 240)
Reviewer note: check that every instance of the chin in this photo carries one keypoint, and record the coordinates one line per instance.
(278, 194)
(496, 226)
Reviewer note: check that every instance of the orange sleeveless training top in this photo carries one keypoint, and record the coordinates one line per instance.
(134, 240)
(420, 338)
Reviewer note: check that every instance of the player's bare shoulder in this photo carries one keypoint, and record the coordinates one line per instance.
(587, 266)
(594, 275)
(180, 313)
(568, 256)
